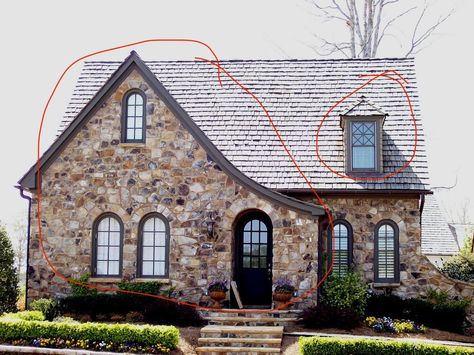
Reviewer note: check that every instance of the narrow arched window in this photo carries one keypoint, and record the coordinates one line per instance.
(107, 245)
(153, 255)
(134, 121)
(340, 247)
(386, 252)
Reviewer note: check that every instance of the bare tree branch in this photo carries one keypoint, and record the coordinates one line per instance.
(447, 187)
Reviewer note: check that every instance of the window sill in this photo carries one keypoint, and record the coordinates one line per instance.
(385, 284)
(152, 279)
(132, 145)
(105, 279)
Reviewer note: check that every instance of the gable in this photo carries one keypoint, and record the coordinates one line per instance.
(133, 64)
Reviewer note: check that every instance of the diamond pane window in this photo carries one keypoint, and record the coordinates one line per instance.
(134, 118)
(386, 253)
(363, 144)
(107, 246)
(154, 234)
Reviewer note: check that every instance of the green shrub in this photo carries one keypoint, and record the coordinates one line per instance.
(324, 316)
(334, 346)
(346, 292)
(78, 290)
(461, 266)
(24, 315)
(49, 307)
(9, 291)
(167, 336)
(155, 311)
(150, 287)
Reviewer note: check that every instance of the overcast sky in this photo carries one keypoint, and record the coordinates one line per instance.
(40, 38)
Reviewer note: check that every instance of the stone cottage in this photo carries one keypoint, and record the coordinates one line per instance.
(159, 173)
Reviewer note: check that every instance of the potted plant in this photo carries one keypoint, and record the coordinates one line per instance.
(283, 289)
(217, 289)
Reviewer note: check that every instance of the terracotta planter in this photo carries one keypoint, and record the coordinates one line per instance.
(217, 295)
(282, 296)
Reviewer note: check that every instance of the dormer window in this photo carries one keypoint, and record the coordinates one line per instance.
(134, 121)
(362, 125)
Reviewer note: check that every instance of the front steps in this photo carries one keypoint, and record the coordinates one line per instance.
(243, 333)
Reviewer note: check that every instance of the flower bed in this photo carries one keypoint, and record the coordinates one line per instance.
(334, 346)
(93, 336)
(387, 324)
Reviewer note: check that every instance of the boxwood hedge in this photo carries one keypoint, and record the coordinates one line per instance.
(333, 346)
(14, 329)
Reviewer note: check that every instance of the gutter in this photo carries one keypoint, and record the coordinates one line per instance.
(26, 197)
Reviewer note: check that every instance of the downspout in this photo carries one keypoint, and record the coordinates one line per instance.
(26, 197)
(422, 205)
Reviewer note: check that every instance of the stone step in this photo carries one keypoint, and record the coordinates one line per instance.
(247, 330)
(233, 320)
(236, 349)
(262, 341)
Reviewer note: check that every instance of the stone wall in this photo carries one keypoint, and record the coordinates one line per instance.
(170, 174)
(417, 273)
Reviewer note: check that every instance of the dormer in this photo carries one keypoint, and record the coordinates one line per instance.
(362, 125)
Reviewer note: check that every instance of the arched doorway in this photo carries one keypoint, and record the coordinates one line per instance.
(253, 259)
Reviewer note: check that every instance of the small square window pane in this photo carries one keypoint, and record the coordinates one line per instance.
(147, 253)
(263, 237)
(263, 262)
(255, 262)
(130, 133)
(101, 267)
(102, 253)
(139, 111)
(131, 99)
(114, 253)
(263, 249)
(363, 157)
(160, 253)
(114, 225)
(148, 238)
(139, 122)
(113, 267)
(246, 261)
(246, 249)
(147, 268)
(255, 237)
(148, 226)
(138, 133)
(255, 249)
(131, 111)
(102, 238)
(159, 268)
(103, 225)
(246, 237)
(160, 225)
(114, 238)
(263, 227)
(160, 239)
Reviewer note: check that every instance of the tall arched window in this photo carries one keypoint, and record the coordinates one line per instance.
(107, 245)
(134, 121)
(342, 247)
(153, 255)
(387, 268)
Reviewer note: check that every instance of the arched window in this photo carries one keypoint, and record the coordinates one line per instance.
(342, 247)
(134, 121)
(153, 255)
(107, 245)
(386, 252)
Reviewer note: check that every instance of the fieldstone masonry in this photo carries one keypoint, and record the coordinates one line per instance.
(170, 174)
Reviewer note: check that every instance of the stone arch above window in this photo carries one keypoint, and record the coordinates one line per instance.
(153, 246)
(386, 252)
(134, 117)
(342, 245)
(107, 253)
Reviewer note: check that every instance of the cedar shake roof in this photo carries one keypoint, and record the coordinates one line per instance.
(436, 236)
(297, 93)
